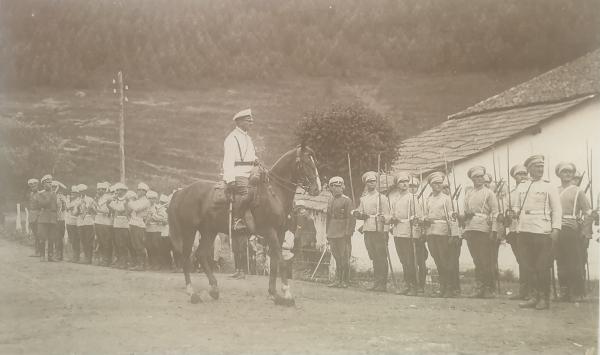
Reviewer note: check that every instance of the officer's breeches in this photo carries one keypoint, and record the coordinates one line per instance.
(481, 249)
(137, 247)
(47, 233)
(122, 244)
(105, 239)
(569, 260)
(239, 245)
(378, 242)
(536, 255)
(439, 248)
(339, 250)
(407, 249)
(74, 240)
(86, 233)
(152, 247)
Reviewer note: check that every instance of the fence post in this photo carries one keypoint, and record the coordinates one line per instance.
(18, 226)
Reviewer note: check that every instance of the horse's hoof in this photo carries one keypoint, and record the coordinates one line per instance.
(195, 298)
(214, 294)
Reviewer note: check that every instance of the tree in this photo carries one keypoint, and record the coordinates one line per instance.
(349, 129)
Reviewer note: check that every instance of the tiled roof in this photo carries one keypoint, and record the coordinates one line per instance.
(460, 138)
(574, 79)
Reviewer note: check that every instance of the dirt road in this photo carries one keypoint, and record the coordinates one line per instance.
(60, 308)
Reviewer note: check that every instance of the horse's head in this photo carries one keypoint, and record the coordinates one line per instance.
(306, 173)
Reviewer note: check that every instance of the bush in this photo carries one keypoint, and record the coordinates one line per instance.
(351, 129)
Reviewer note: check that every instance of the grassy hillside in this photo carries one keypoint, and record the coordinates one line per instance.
(175, 137)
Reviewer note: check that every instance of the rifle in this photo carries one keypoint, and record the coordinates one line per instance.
(377, 223)
(492, 237)
(411, 216)
(350, 175)
(509, 212)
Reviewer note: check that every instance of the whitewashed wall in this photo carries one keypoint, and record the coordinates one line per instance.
(562, 139)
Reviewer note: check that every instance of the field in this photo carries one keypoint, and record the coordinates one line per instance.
(174, 137)
(60, 308)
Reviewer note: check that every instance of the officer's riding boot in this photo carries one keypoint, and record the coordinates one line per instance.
(532, 302)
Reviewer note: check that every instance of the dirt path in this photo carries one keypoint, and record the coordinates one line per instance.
(69, 308)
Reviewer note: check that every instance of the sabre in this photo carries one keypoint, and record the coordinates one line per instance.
(390, 207)
(312, 277)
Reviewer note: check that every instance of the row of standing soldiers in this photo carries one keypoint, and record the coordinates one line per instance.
(541, 222)
(126, 229)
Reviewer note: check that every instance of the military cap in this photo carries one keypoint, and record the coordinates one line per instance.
(163, 198)
(247, 113)
(534, 160)
(32, 181)
(299, 203)
(369, 176)
(46, 178)
(519, 168)
(74, 188)
(143, 186)
(119, 186)
(336, 180)
(152, 194)
(130, 194)
(81, 187)
(402, 176)
(476, 171)
(102, 185)
(436, 177)
(487, 178)
(565, 165)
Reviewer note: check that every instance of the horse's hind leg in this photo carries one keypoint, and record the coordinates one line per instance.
(188, 241)
(205, 249)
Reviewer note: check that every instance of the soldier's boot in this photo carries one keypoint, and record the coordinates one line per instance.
(532, 302)
(235, 275)
(412, 290)
(241, 275)
(544, 303)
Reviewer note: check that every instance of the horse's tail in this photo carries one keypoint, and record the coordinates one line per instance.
(174, 225)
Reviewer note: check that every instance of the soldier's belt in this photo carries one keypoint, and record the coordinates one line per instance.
(404, 220)
(535, 212)
(439, 221)
(243, 163)
(569, 216)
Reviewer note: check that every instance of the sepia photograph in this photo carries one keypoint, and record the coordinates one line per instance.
(299, 176)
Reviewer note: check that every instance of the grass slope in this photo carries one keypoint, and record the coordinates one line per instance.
(175, 137)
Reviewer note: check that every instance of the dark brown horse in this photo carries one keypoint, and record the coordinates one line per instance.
(194, 209)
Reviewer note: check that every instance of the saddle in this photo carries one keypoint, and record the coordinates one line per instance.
(258, 177)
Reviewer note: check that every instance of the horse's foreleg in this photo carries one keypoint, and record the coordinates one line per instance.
(188, 242)
(205, 249)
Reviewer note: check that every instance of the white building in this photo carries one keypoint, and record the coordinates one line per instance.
(556, 114)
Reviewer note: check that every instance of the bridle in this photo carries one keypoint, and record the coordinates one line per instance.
(292, 185)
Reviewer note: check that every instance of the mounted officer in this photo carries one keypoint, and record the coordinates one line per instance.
(239, 160)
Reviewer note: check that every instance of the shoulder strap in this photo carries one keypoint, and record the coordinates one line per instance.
(239, 148)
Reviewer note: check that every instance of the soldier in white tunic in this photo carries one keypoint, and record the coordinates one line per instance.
(539, 224)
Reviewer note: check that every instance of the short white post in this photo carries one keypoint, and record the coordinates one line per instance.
(18, 226)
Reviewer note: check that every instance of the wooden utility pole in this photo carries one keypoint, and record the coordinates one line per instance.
(122, 99)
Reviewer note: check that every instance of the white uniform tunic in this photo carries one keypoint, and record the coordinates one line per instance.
(541, 211)
(239, 156)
